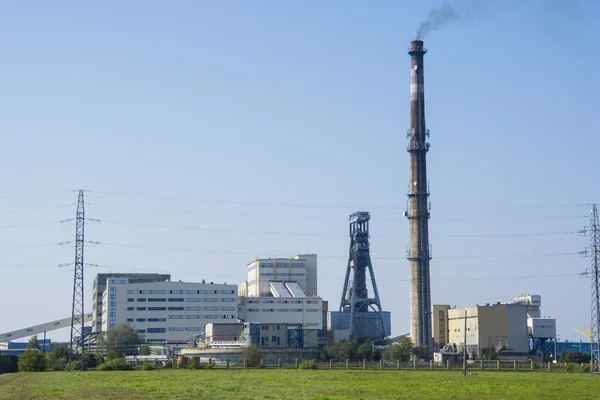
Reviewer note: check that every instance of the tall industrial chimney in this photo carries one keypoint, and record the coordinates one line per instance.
(418, 253)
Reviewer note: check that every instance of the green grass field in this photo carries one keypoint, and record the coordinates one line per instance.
(298, 384)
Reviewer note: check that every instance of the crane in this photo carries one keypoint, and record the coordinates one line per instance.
(587, 334)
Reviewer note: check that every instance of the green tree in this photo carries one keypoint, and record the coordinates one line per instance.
(341, 351)
(252, 354)
(144, 350)
(34, 343)
(574, 357)
(32, 361)
(57, 359)
(489, 353)
(420, 353)
(400, 351)
(120, 340)
(365, 351)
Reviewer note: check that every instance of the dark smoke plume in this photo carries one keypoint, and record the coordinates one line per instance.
(437, 18)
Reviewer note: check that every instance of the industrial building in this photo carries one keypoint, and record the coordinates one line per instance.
(488, 326)
(281, 277)
(100, 286)
(18, 348)
(167, 312)
(273, 336)
(282, 291)
(515, 328)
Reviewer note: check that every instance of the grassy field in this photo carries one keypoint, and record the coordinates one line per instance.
(298, 384)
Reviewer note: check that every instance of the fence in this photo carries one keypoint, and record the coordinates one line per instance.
(472, 366)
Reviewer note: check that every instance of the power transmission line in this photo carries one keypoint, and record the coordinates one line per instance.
(36, 209)
(324, 234)
(320, 256)
(19, 196)
(31, 224)
(31, 246)
(346, 207)
(243, 276)
(340, 218)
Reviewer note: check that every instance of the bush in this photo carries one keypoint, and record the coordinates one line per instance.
(568, 367)
(252, 355)
(32, 361)
(145, 366)
(57, 364)
(585, 368)
(195, 364)
(307, 364)
(115, 365)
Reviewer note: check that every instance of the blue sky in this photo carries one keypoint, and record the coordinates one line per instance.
(298, 103)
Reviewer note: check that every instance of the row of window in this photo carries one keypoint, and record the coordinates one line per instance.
(282, 301)
(282, 273)
(181, 300)
(279, 310)
(117, 281)
(152, 330)
(212, 291)
(112, 315)
(212, 300)
(147, 319)
(213, 308)
(202, 316)
(283, 265)
(186, 329)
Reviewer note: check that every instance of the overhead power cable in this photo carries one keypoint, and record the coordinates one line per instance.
(27, 265)
(323, 234)
(274, 204)
(339, 218)
(30, 246)
(36, 209)
(30, 224)
(322, 256)
(243, 276)
(19, 196)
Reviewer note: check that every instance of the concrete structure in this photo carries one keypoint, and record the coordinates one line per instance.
(502, 326)
(37, 329)
(439, 322)
(100, 286)
(171, 312)
(419, 253)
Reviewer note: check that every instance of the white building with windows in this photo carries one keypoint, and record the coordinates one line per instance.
(282, 291)
(167, 312)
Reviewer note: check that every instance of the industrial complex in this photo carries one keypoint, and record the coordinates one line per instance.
(278, 307)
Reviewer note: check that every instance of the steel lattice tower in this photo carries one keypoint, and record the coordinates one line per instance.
(77, 313)
(595, 266)
(365, 313)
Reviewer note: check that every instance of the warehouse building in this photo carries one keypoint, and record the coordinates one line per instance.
(498, 326)
(515, 329)
(167, 312)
